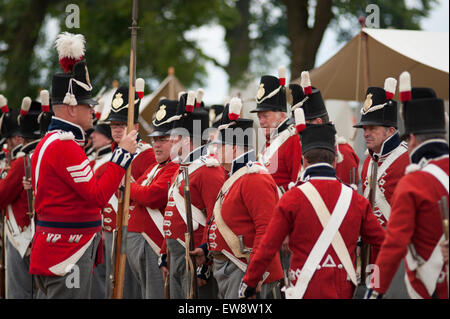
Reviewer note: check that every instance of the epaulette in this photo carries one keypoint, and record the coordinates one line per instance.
(411, 168)
(341, 140)
(143, 146)
(254, 167)
(66, 136)
(20, 154)
(210, 161)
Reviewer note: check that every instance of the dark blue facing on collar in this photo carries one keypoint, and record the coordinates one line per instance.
(429, 150)
(195, 154)
(389, 145)
(59, 124)
(242, 160)
(319, 170)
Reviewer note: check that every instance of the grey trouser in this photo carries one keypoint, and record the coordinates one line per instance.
(131, 288)
(18, 278)
(178, 274)
(229, 277)
(98, 280)
(397, 289)
(74, 285)
(144, 266)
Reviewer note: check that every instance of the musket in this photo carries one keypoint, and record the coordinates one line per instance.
(167, 279)
(365, 248)
(443, 209)
(123, 214)
(191, 279)
(27, 166)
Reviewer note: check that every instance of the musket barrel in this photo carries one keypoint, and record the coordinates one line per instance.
(123, 215)
(190, 229)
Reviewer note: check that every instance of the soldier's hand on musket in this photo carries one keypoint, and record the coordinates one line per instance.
(199, 255)
(165, 272)
(128, 142)
(285, 246)
(26, 182)
(122, 183)
(444, 250)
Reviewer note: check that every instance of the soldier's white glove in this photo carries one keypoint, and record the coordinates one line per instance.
(245, 291)
(372, 294)
(204, 272)
(162, 260)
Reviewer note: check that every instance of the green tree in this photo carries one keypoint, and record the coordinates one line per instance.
(308, 21)
(298, 26)
(161, 41)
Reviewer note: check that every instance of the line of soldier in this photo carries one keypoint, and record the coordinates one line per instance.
(285, 223)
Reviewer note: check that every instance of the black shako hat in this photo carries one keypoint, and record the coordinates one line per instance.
(312, 104)
(233, 129)
(28, 119)
(73, 87)
(165, 115)
(215, 114)
(45, 117)
(271, 95)
(422, 112)
(193, 121)
(8, 119)
(316, 136)
(379, 107)
(119, 106)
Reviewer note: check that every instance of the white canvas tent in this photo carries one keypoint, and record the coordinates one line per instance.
(375, 54)
(372, 56)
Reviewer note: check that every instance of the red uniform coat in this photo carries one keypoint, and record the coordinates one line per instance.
(205, 184)
(388, 181)
(12, 193)
(154, 196)
(415, 219)
(346, 163)
(286, 163)
(68, 200)
(15, 201)
(247, 209)
(294, 216)
(99, 166)
(144, 158)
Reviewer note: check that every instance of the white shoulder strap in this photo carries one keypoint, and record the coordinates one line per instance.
(438, 173)
(197, 215)
(49, 140)
(157, 218)
(267, 153)
(325, 239)
(380, 200)
(155, 214)
(228, 235)
(427, 271)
